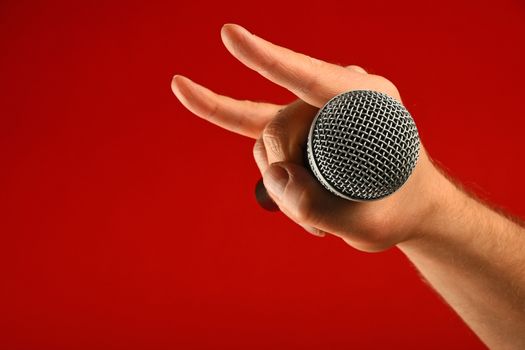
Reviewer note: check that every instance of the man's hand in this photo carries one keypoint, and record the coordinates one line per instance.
(473, 256)
(281, 133)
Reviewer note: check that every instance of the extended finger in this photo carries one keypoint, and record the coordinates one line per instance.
(310, 79)
(246, 118)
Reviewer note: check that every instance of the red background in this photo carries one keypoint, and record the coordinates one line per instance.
(126, 222)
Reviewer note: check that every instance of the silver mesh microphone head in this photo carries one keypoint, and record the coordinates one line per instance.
(363, 145)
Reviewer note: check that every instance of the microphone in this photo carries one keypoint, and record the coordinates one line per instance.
(362, 146)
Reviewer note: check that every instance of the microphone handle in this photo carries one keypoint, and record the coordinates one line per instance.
(263, 198)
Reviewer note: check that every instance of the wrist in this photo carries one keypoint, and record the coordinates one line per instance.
(407, 215)
(441, 204)
(435, 201)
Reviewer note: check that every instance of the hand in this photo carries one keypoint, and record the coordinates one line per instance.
(281, 133)
(470, 254)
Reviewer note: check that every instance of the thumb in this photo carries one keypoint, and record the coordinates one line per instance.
(304, 200)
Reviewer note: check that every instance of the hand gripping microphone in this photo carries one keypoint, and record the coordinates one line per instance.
(362, 145)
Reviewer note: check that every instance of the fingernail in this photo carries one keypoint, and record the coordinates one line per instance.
(174, 80)
(314, 231)
(275, 180)
(177, 80)
(234, 25)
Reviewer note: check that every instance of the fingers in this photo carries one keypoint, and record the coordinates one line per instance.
(284, 137)
(310, 79)
(259, 154)
(302, 198)
(246, 118)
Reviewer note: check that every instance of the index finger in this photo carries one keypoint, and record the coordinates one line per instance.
(312, 80)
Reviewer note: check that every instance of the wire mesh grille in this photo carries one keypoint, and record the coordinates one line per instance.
(363, 145)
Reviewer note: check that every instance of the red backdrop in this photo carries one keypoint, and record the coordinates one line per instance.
(126, 222)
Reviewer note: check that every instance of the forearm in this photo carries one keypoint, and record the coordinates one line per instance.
(474, 258)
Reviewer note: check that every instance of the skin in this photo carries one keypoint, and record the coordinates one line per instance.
(473, 256)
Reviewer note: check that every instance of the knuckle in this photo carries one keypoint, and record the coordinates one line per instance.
(274, 139)
(259, 155)
(309, 84)
(306, 211)
(386, 86)
(213, 112)
(258, 148)
(389, 86)
(356, 68)
(266, 64)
